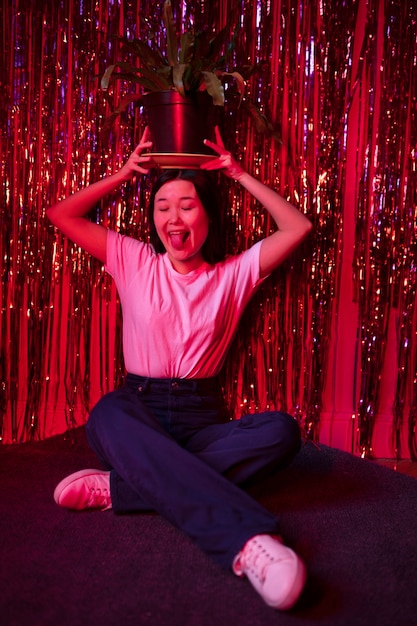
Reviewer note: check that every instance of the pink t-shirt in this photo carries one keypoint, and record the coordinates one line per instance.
(178, 325)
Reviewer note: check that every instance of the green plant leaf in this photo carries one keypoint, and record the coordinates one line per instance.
(241, 87)
(165, 73)
(152, 57)
(202, 49)
(187, 47)
(214, 88)
(110, 119)
(262, 124)
(177, 78)
(159, 80)
(172, 40)
(129, 78)
(107, 76)
(222, 40)
(129, 73)
(150, 79)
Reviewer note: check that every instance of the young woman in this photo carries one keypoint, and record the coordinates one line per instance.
(165, 438)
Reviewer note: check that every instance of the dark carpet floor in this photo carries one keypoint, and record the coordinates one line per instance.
(354, 523)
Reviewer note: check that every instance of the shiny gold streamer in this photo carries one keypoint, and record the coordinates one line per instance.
(60, 324)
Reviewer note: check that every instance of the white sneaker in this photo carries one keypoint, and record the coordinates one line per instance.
(86, 489)
(274, 570)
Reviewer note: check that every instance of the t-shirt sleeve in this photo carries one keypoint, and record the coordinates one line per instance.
(247, 274)
(249, 265)
(125, 256)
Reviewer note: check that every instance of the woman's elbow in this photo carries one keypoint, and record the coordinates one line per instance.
(308, 227)
(51, 213)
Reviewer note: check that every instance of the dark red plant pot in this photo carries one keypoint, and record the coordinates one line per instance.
(180, 125)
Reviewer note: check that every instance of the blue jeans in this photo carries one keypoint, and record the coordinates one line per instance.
(172, 448)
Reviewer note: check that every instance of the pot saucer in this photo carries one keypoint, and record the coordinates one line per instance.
(179, 160)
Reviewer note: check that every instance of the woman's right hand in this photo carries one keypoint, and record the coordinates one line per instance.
(138, 162)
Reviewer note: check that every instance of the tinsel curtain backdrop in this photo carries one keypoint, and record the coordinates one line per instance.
(332, 335)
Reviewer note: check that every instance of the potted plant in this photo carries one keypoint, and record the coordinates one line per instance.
(190, 77)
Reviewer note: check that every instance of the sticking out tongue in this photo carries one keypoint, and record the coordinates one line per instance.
(178, 240)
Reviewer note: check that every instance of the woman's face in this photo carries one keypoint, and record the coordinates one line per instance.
(181, 223)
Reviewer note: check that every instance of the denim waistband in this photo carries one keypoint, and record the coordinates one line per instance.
(185, 385)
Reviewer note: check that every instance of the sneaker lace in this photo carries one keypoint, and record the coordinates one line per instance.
(99, 498)
(257, 559)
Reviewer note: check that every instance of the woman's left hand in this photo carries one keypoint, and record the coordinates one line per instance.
(225, 161)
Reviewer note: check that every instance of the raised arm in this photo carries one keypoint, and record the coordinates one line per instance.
(292, 225)
(69, 214)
